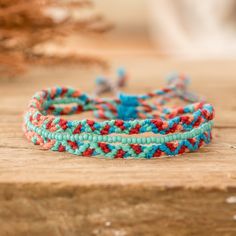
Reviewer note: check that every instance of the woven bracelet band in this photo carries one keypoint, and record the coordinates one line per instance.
(133, 127)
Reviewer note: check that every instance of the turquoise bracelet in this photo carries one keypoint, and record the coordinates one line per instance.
(133, 127)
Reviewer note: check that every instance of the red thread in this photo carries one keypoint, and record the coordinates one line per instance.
(120, 154)
(104, 147)
(77, 129)
(137, 148)
(63, 124)
(158, 123)
(91, 124)
(61, 148)
(171, 146)
(105, 130)
(120, 124)
(88, 152)
(157, 153)
(72, 144)
(135, 130)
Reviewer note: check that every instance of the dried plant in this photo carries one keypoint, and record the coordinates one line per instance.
(27, 24)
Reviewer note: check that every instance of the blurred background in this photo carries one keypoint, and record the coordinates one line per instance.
(183, 28)
(95, 32)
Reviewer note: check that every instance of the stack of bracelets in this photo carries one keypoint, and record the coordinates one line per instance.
(133, 127)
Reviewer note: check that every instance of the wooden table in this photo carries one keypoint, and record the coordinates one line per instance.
(51, 193)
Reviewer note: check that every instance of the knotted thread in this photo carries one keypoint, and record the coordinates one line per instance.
(168, 130)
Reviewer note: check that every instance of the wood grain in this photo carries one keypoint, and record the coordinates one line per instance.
(50, 193)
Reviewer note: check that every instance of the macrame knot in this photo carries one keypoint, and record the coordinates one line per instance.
(127, 109)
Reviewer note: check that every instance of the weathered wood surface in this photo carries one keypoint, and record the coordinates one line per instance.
(50, 193)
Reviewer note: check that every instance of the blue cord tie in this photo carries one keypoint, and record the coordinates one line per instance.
(127, 109)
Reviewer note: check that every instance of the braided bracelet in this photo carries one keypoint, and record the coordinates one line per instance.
(133, 127)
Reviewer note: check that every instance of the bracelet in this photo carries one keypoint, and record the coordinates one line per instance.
(133, 127)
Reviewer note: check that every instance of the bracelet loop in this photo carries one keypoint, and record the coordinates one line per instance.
(133, 127)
